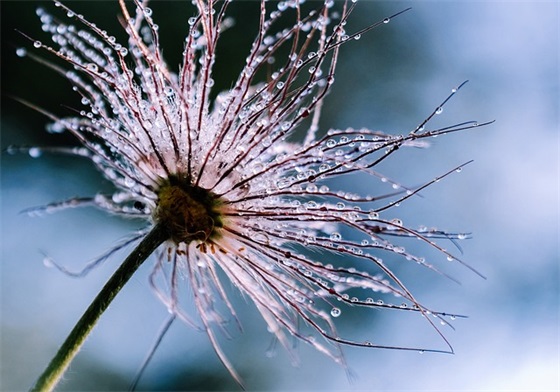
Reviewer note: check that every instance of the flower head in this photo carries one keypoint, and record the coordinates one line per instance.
(237, 195)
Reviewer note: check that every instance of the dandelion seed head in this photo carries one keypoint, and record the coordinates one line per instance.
(238, 197)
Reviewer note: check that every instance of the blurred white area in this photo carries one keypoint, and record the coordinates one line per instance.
(508, 197)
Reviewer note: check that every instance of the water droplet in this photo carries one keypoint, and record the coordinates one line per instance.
(439, 110)
(331, 143)
(396, 222)
(335, 312)
(148, 11)
(34, 152)
(21, 52)
(92, 67)
(47, 262)
(37, 44)
(129, 182)
(386, 20)
(336, 237)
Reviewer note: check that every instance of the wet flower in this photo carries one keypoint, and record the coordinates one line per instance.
(226, 180)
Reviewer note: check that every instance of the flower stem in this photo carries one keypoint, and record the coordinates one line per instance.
(58, 365)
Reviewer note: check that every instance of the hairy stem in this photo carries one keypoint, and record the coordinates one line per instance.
(58, 365)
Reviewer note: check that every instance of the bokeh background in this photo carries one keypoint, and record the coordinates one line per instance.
(390, 80)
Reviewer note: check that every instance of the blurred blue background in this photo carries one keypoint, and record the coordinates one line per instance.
(389, 80)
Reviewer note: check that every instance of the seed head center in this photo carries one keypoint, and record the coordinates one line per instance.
(189, 212)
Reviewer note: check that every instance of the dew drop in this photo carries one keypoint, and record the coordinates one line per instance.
(397, 222)
(47, 262)
(129, 182)
(386, 20)
(335, 312)
(21, 52)
(439, 110)
(37, 44)
(34, 152)
(336, 237)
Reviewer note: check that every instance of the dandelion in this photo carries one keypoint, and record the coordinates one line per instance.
(225, 188)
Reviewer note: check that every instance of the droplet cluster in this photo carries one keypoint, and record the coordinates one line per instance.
(243, 199)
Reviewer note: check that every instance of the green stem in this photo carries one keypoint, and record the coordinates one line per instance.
(58, 365)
